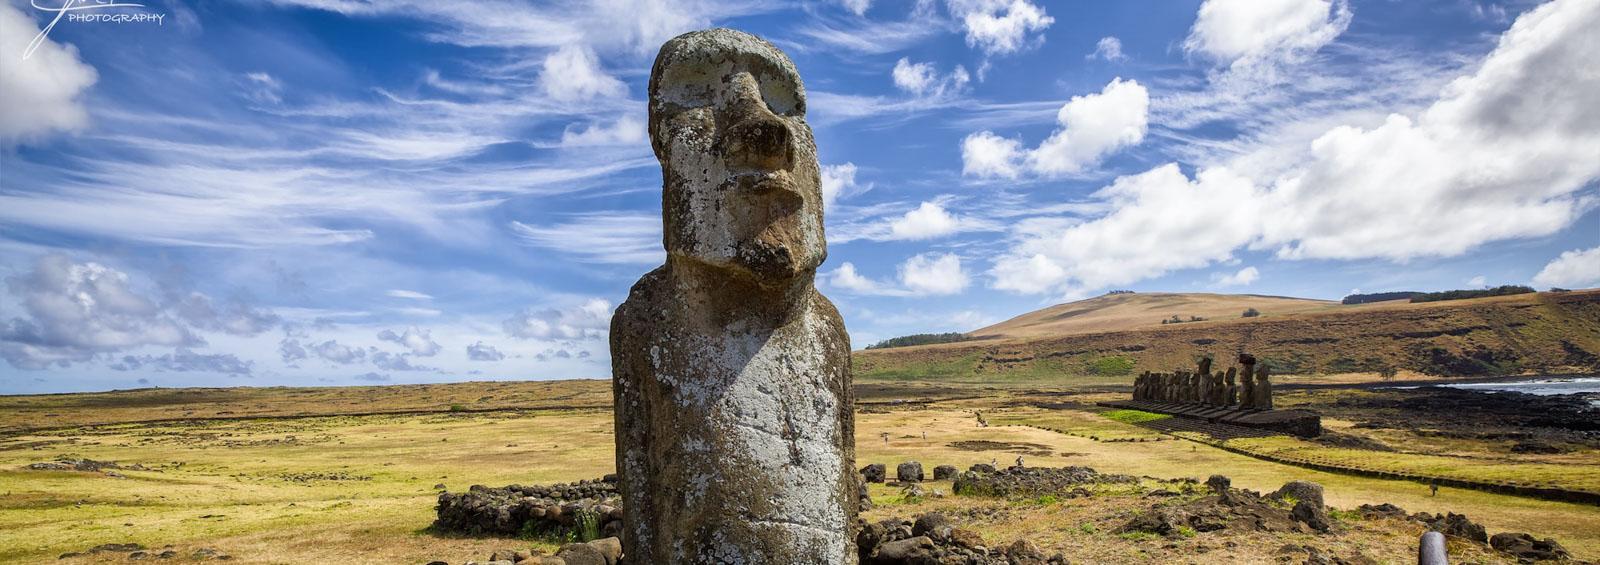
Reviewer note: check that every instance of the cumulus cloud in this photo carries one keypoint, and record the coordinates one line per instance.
(929, 220)
(1244, 277)
(394, 361)
(999, 27)
(43, 92)
(1161, 221)
(590, 320)
(573, 74)
(418, 340)
(1249, 32)
(1505, 152)
(292, 352)
(1109, 49)
(839, 181)
(77, 310)
(1091, 127)
(923, 79)
(934, 274)
(927, 274)
(1579, 268)
(335, 352)
(857, 7)
(373, 377)
(183, 360)
(481, 351)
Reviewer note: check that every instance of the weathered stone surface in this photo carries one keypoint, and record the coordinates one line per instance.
(1299, 490)
(1311, 514)
(609, 548)
(874, 473)
(908, 472)
(943, 472)
(1454, 525)
(581, 554)
(513, 509)
(1031, 481)
(1219, 484)
(731, 373)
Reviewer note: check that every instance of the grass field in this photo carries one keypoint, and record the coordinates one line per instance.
(361, 488)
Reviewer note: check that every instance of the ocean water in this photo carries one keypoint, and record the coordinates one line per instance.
(1542, 387)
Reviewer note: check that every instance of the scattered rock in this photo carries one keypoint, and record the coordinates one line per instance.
(908, 472)
(874, 473)
(610, 548)
(1526, 548)
(981, 468)
(1454, 525)
(581, 554)
(512, 509)
(1299, 490)
(1311, 514)
(943, 472)
(934, 525)
(1384, 510)
(1218, 484)
(1032, 481)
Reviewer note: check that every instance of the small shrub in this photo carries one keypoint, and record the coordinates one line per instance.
(1046, 500)
(588, 525)
(1138, 536)
(1087, 528)
(1187, 531)
(1250, 313)
(457, 408)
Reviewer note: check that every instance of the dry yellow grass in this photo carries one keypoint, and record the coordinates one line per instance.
(1122, 312)
(359, 489)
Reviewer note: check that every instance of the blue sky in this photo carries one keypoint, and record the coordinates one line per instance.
(327, 192)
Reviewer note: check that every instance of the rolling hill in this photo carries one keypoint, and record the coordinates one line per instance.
(1121, 334)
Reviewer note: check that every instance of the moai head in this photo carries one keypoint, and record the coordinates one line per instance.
(742, 190)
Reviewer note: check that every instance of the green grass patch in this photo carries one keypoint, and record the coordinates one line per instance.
(1134, 416)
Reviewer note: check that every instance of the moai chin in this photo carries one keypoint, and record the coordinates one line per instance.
(730, 372)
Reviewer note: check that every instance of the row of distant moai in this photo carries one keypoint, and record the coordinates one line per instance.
(1253, 391)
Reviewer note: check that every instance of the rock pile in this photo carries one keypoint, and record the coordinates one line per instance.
(90, 465)
(933, 539)
(605, 551)
(982, 480)
(1237, 510)
(1526, 548)
(517, 509)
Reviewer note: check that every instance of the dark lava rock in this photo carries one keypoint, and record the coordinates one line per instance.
(1218, 484)
(512, 509)
(1454, 525)
(1311, 514)
(908, 472)
(1527, 548)
(1299, 490)
(1032, 481)
(1384, 510)
(581, 554)
(943, 472)
(981, 468)
(874, 473)
(934, 525)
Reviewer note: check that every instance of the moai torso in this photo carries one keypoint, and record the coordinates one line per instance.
(1233, 388)
(730, 372)
(1263, 390)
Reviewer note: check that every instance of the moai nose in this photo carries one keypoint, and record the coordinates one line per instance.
(754, 137)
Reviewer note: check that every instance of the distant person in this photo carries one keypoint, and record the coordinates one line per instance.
(1433, 487)
(1019, 461)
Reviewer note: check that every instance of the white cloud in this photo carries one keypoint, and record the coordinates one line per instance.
(985, 154)
(1478, 282)
(1503, 153)
(590, 320)
(408, 294)
(573, 74)
(929, 220)
(42, 92)
(183, 360)
(1091, 127)
(926, 274)
(483, 352)
(232, 317)
(999, 27)
(923, 79)
(1108, 48)
(627, 130)
(1160, 222)
(77, 310)
(624, 238)
(263, 88)
(1250, 32)
(1244, 277)
(335, 352)
(857, 7)
(1579, 268)
(933, 274)
(418, 340)
(839, 181)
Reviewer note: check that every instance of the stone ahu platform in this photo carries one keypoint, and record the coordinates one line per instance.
(1296, 422)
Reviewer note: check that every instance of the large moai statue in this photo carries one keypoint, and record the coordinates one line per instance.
(1247, 385)
(1204, 395)
(1263, 389)
(731, 373)
(1232, 398)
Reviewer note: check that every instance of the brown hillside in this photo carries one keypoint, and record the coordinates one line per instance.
(1120, 312)
(1479, 337)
